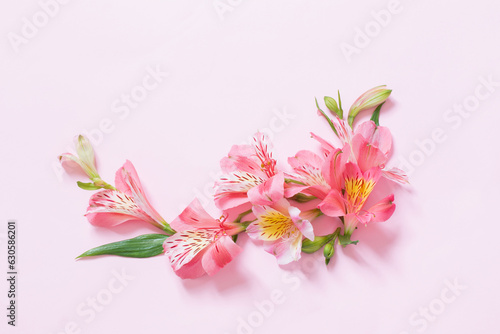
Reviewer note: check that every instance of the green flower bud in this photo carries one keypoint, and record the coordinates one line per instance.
(367, 100)
(331, 104)
(328, 252)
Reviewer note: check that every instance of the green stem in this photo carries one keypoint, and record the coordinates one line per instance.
(241, 215)
(326, 117)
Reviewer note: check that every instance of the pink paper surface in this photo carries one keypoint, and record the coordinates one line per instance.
(172, 85)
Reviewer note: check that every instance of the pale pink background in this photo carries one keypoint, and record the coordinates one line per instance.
(228, 77)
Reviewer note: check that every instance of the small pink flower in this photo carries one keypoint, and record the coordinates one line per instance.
(349, 200)
(128, 202)
(368, 146)
(245, 168)
(202, 244)
(282, 227)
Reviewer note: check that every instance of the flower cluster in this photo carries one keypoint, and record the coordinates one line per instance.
(258, 196)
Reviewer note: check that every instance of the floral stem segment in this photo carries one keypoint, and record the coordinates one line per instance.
(326, 117)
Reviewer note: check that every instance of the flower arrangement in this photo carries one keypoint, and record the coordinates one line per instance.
(340, 179)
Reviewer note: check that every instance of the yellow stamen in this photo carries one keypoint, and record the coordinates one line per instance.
(357, 190)
(274, 225)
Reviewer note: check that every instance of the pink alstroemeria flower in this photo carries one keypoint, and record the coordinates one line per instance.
(128, 202)
(369, 146)
(280, 225)
(202, 244)
(315, 175)
(246, 168)
(349, 200)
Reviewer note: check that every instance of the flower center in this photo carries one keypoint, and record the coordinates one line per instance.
(357, 191)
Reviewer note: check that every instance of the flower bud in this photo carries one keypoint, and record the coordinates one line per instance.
(328, 252)
(85, 159)
(367, 100)
(331, 104)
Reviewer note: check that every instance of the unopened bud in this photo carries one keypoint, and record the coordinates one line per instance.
(367, 100)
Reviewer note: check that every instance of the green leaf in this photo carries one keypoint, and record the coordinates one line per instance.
(346, 240)
(146, 245)
(331, 104)
(376, 114)
(235, 238)
(87, 186)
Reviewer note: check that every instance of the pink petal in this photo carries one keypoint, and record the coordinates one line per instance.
(237, 151)
(333, 205)
(108, 219)
(378, 136)
(367, 156)
(383, 210)
(305, 158)
(396, 174)
(333, 167)
(326, 147)
(219, 254)
(194, 216)
(193, 269)
(229, 200)
(243, 165)
(305, 227)
(268, 192)
(182, 247)
(69, 160)
(127, 181)
(111, 207)
(286, 250)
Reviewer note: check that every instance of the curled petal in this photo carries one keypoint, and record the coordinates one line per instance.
(333, 205)
(326, 147)
(383, 210)
(305, 227)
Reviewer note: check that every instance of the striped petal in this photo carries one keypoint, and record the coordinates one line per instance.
(112, 207)
(128, 182)
(183, 247)
(396, 175)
